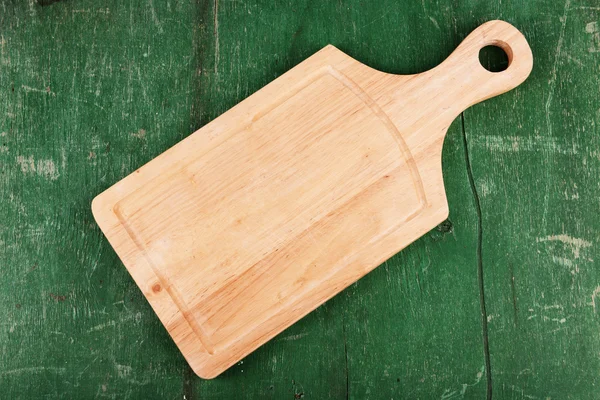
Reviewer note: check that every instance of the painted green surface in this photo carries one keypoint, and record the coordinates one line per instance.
(89, 91)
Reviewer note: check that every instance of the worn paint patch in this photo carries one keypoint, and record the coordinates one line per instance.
(46, 90)
(565, 262)
(594, 33)
(576, 244)
(486, 187)
(123, 371)
(140, 134)
(33, 370)
(3, 59)
(452, 394)
(548, 313)
(595, 294)
(516, 144)
(45, 168)
(572, 193)
(294, 337)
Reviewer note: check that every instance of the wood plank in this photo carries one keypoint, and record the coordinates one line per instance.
(89, 91)
(540, 247)
(68, 42)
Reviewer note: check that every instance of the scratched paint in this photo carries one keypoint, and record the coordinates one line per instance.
(594, 33)
(75, 83)
(540, 243)
(90, 91)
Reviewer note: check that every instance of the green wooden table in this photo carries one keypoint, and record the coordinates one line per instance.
(501, 301)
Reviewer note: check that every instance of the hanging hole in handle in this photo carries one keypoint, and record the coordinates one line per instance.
(495, 57)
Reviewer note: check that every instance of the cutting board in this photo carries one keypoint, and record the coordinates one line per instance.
(262, 215)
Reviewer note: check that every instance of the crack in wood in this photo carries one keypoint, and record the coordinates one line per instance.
(484, 325)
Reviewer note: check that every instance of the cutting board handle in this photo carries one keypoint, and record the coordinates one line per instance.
(470, 81)
(460, 81)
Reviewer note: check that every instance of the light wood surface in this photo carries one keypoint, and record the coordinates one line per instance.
(274, 207)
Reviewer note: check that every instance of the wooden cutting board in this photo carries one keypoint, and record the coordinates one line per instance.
(280, 203)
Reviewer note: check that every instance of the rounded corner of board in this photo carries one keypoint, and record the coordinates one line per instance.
(329, 46)
(205, 373)
(98, 207)
(205, 367)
